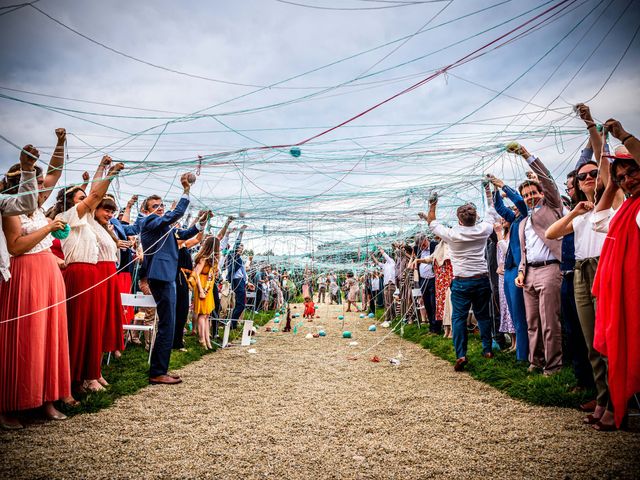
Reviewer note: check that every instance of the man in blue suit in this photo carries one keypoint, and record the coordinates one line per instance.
(158, 237)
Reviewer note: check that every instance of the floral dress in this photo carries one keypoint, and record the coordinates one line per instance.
(506, 324)
(444, 276)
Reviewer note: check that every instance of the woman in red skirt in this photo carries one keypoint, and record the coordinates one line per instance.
(86, 297)
(34, 359)
(110, 288)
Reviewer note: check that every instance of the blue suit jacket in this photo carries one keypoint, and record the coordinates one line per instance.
(161, 254)
(512, 257)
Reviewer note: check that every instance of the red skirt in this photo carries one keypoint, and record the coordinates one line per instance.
(113, 336)
(124, 286)
(34, 350)
(85, 316)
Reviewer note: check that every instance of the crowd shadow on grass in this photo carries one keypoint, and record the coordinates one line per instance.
(503, 372)
(130, 373)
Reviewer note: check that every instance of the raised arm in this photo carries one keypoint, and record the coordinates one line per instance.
(175, 214)
(85, 181)
(126, 216)
(504, 211)
(225, 227)
(631, 143)
(238, 239)
(56, 164)
(549, 187)
(99, 186)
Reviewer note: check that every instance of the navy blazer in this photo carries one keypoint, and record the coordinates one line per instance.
(161, 254)
(512, 257)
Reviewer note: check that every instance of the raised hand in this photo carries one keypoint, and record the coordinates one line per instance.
(533, 176)
(116, 169)
(615, 127)
(584, 113)
(28, 157)
(85, 176)
(515, 147)
(495, 181)
(105, 162)
(132, 201)
(61, 133)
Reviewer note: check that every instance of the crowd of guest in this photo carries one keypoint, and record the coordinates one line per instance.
(552, 277)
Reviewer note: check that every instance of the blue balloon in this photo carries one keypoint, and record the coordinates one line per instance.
(295, 152)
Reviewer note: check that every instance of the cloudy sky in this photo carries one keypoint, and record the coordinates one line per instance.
(157, 83)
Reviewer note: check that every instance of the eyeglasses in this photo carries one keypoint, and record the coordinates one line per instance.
(631, 172)
(583, 176)
(157, 206)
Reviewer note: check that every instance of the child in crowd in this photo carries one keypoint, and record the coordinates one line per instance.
(309, 308)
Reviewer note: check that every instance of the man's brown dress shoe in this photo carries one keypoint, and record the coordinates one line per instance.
(164, 380)
(460, 364)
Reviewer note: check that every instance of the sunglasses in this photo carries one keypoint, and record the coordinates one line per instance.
(583, 176)
(156, 206)
(631, 172)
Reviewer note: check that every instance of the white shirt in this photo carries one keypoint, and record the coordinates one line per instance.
(536, 250)
(588, 242)
(30, 224)
(107, 248)
(375, 284)
(467, 244)
(602, 219)
(426, 269)
(389, 269)
(81, 246)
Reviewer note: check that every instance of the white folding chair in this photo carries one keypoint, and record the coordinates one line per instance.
(142, 301)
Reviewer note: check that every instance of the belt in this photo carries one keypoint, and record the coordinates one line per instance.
(542, 264)
(480, 275)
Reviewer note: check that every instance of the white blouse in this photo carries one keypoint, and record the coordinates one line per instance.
(107, 248)
(588, 242)
(30, 224)
(81, 245)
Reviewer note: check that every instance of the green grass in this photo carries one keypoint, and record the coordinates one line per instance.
(131, 372)
(503, 372)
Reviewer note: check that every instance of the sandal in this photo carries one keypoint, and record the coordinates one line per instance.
(591, 420)
(604, 427)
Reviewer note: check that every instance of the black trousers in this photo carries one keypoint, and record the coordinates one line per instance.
(182, 310)
(428, 290)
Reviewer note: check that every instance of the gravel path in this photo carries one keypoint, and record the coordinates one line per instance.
(301, 408)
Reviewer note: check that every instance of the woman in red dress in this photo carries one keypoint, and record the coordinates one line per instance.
(110, 288)
(617, 282)
(86, 300)
(34, 360)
